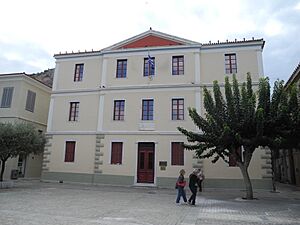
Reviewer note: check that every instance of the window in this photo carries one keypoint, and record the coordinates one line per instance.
(178, 109)
(232, 160)
(78, 75)
(177, 65)
(116, 152)
(149, 66)
(121, 68)
(230, 63)
(119, 106)
(147, 113)
(7, 97)
(177, 154)
(74, 111)
(30, 101)
(70, 151)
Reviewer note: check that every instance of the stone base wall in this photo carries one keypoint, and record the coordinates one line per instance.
(162, 182)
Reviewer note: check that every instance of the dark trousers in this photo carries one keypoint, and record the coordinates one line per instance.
(192, 199)
(200, 185)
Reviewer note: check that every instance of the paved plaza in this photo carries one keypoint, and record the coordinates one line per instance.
(36, 203)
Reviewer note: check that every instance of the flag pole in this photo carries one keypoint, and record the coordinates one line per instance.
(148, 65)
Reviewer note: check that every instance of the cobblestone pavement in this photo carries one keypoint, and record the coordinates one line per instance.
(35, 203)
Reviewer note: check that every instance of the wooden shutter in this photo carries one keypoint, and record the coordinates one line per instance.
(116, 152)
(30, 101)
(70, 151)
(7, 97)
(177, 154)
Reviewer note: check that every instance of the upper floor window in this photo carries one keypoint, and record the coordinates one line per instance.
(230, 63)
(70, 151)
(177, 153)
(119, 106)
(74, 111)
(30, 101)
(177, 65)
(7, 97)
(178, 109)
(116, 152)
(149, 66)
(121, 68)
(147, 111)
(78, 75)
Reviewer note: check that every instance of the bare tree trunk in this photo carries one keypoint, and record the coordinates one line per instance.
(248, 152)
(2, 170)
(247, 181)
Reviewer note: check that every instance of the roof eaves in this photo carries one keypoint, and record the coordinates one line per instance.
(156, 48)
(295, 74)
(22, 74)
(236, 42)
(12, 74)
(85, 53)
(32, 77)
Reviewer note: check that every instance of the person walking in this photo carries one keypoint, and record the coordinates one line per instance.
(201, 177)
(193, 181)
(180, 184)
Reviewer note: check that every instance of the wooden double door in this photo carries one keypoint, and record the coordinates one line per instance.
(145, 167)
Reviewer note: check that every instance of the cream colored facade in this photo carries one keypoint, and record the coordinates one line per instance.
(96, 129)
(29, 167)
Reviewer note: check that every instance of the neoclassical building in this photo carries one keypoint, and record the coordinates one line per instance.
(24, 99)
(114, 113)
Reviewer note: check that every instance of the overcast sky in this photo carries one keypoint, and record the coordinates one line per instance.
(32, 31)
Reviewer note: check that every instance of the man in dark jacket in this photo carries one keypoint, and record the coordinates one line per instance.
(193, 180)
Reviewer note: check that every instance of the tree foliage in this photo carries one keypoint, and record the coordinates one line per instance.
(245, 120)
(228, 125)
(18, 139)
(282, 126)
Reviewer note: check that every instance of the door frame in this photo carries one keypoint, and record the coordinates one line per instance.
(136, 164)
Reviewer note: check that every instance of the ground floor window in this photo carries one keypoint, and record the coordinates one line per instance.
(116, 152)
(177, 153)
(70, 151)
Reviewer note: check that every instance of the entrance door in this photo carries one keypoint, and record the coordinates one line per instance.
(145, 171)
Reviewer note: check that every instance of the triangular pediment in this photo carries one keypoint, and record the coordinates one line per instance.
(151, 38)
(150, 41)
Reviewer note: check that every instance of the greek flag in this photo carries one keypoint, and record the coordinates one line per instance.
(150, 61)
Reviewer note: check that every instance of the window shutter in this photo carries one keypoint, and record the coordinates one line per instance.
(30, 101)
(70, 151)
(116, 153)
(177, 153)
(7, 97)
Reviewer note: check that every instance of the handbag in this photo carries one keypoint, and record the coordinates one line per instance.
(180, 184)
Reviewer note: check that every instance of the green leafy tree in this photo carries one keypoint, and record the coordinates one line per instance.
(283, 121)
(18, 139)
(228, 126)
(293, 110)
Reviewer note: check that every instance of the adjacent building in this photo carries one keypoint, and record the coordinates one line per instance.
(24, 99)
(288, 161)
(114, 113)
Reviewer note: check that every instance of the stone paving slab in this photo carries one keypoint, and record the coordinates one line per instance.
(36, 203)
